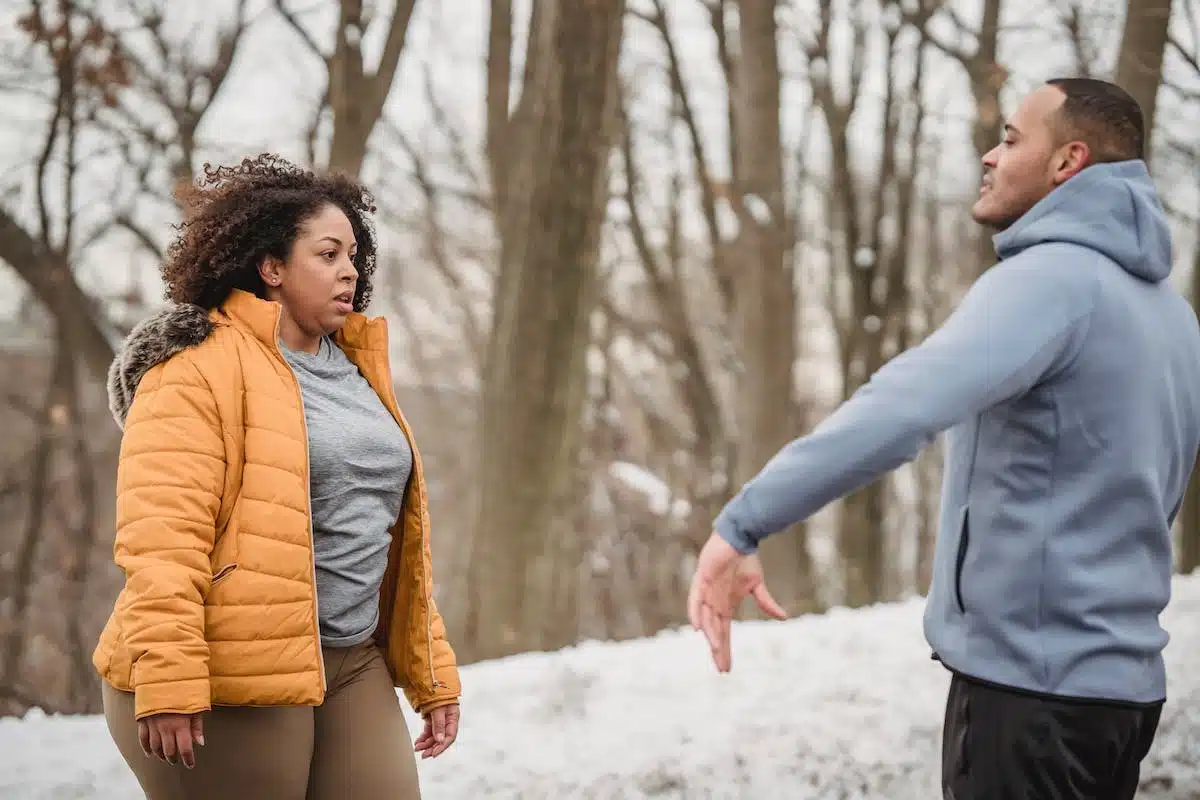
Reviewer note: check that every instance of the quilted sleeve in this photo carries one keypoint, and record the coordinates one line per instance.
(169, 483)
(445, 667)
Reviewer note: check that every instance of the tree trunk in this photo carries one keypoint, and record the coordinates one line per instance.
(1189, 515)
(23, 574)
(863, 530)
(523, 569)
(1139, 65)
(1139, 72)
(987, 78)
(764, 294)
(79, 317)
(355, 94)
(1189, 529)
(876, 268)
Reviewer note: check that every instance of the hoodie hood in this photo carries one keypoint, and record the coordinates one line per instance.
(1110, 208)
(151, 342)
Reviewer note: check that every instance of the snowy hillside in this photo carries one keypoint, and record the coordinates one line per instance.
(843, 705)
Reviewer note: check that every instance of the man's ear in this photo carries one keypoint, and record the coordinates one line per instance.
(270, 269)
(1069, 160)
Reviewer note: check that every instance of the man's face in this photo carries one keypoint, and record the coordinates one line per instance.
(1028, 164)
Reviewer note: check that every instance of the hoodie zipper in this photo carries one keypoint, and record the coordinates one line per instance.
(308, 498)
(425, 579)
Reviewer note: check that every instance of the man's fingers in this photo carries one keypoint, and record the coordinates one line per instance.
(695, 599)
(183, 745)
(716, 630)
(722, 654)
(712, 568)
(767, 603)
(439, 724)
(452, 727)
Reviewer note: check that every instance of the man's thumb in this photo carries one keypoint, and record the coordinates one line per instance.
(198, 729)
(767, 603)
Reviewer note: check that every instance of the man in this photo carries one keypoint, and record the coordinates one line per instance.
(1069, 379)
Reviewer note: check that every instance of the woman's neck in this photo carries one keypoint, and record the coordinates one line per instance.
(294, 338)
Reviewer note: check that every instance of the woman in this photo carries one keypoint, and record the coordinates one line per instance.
(271, 513)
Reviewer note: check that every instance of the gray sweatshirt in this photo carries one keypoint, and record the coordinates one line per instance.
(1069, 383)
(360, 462)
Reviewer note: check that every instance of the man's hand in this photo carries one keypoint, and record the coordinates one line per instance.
(723, 579)
(441, 729)
(171, 737)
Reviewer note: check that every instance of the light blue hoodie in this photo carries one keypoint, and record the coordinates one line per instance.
(1069, 378)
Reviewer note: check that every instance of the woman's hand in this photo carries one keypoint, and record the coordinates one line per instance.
(171, 736)
(441, 729)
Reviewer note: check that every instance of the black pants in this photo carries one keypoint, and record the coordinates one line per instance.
(1007, 745)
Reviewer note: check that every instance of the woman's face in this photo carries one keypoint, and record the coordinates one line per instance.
(316, 284)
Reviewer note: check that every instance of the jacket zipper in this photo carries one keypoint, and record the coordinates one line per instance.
(425, 581)
(308, 497)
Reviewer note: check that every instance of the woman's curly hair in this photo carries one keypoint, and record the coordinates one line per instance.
(235, 216)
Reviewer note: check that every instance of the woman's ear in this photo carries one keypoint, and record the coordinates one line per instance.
(270, 270)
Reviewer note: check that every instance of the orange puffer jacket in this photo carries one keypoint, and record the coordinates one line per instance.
(214, 530)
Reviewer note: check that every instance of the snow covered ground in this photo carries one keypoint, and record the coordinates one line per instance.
(842, 705)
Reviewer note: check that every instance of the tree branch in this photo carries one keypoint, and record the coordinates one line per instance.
(50, 278)
(704, 176)
(291, 19)
(435, 241)
(393, 47)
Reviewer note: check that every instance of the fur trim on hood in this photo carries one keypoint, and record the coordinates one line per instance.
(151, 342)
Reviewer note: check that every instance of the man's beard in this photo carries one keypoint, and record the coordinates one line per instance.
(996, 224)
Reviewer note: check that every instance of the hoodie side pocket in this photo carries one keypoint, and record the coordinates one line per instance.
(964, 540)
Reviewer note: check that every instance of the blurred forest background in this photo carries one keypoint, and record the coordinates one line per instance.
(632, 247)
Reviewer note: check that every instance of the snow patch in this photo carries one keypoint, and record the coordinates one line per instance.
(842, 705)
(658, 494)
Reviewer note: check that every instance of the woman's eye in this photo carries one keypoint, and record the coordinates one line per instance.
(332, 254)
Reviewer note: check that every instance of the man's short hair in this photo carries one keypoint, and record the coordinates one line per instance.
(1102, 115)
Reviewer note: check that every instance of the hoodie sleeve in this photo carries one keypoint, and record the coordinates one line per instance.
(1019, 322)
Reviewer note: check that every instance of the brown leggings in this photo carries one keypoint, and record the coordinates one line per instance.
(355, 745)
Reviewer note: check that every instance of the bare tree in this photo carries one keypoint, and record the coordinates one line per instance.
(1139, 65)
(987, 77)
(355, 94)
(85, 70)
(1188, 559)
(168, 79)
(550, 200)
(738, 297)
(1186, 54)
(765, 296)
(667, 279)
(873, 261)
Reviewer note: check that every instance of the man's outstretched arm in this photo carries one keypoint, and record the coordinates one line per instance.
(1022, 320)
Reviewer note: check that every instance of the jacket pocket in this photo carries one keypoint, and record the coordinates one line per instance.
(221, 574)
(224, 559)
(964, 540)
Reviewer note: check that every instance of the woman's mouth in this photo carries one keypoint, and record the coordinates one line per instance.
(344, 302)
